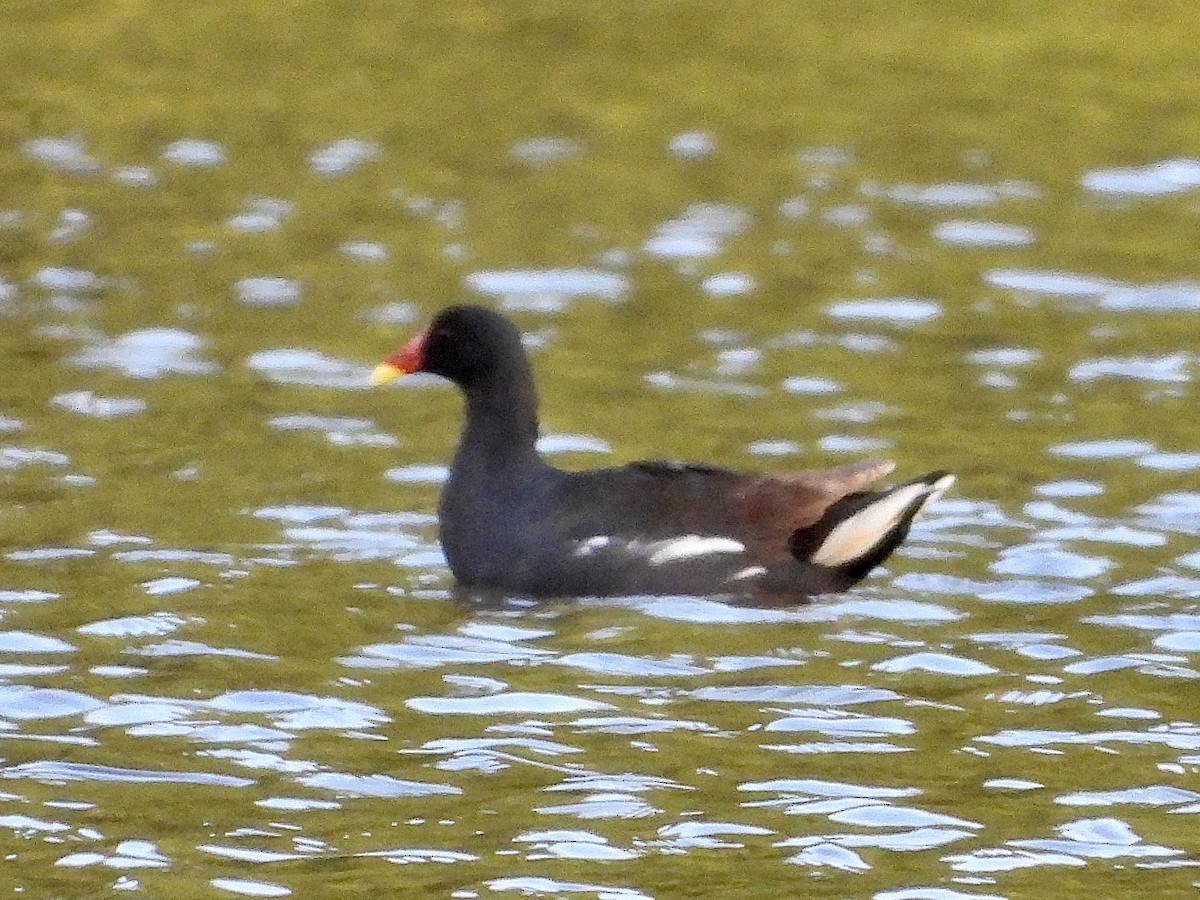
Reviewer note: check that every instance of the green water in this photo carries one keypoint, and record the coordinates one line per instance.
(225, 632)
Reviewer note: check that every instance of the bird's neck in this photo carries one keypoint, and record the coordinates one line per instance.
(502, 424)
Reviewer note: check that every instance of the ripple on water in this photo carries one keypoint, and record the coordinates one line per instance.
(29, 595)
(841, 723)
(693, 144)
(859, 413)
(65, 280)
(250, 855)
(246, 887)
(54, 772)
(805, 796)
(148, 353)
(237, 734)
(847, 443)
(773, 447)
(301, 711)
(309, 368)
(308, 515)
(603, 806)
(1048, 559)
(966, 233)
(158, 587)
(365, 251)
(67, 156)
(1106, 534)
(419, 474)
(550, 444)
(1154, 795)
(172, 555)
(886, 815)
(296, 804)
(1145, 663)
(437, 651)
(343, 157)
(26, 642)
(1034, 591)
(699, 232)
(1174, 511)
(1169, 297)
(893, 310)
(1013, 784)
(810, 385)
(394, 313)
(1109, 448)
(1069, 488)
(536, 886)
(354, 544)
(345, 785)
(548, 290)
(1032, 645)
(1148, 621)
(507, 703)
(1168, 176)
(1173, 368)
(1053, 283)
(708, 835)
(20, 457)
(1180, 641)
(403, 856)
(822, 853)
(489, 755)
(1176, 737)
(267, 291)
(935, 663)
(87, 403)
(728, 284)
(998, 859)
(1097, 839)
(621, 665)
(1004, 357)
(177, 648)
(571, 844)
(126, 855)
(28, 827)
(962, 194)
(1170, 462)
(119, 714)
(674, 382)
(152, 625)
(539, 152)
(262, 214)
(702, 611)
(195, 153)
(798, 695)
(636, 725)
(22, 702)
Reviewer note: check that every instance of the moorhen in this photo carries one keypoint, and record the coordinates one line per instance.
(512, 522)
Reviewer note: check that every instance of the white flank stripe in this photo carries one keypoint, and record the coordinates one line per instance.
(748, 572)
(691, 545)
(588, 546)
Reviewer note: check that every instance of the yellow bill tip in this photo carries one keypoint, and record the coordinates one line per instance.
(385, 372)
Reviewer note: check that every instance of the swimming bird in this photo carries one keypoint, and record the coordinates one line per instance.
(512, 522)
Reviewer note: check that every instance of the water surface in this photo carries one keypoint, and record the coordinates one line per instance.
(231, 663)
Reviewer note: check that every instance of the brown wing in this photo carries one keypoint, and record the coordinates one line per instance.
(660, 500)
(773, 507)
